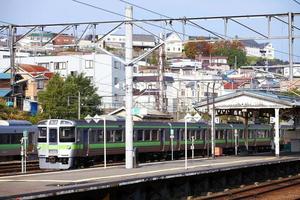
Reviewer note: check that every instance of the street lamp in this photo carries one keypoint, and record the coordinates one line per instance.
(172, 138)
(187, 118)
(235, 139)
(96, 119)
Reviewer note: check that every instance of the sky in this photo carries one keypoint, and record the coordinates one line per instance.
(64, 11)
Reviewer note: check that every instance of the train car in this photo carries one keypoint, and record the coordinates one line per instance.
(11, 132)
(63, 144)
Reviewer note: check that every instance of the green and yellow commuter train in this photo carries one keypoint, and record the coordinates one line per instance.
(64, 144)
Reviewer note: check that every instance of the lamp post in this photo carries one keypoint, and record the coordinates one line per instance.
(96, 119)
(172, 138)
(187, 118)
(235, 139)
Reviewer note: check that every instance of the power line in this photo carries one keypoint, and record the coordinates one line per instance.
(134, 20)
(296, 2)
(185, 19)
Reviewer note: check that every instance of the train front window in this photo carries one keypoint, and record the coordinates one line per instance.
(67, 134)
(42, 134)
(53, 135)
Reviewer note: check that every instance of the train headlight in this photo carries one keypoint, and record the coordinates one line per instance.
(69, 147)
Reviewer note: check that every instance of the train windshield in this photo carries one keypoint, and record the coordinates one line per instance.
(67, 134)
(53, 135)
(42, 134)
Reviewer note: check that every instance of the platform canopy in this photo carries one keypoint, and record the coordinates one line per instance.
(252, 104)
(249, 99)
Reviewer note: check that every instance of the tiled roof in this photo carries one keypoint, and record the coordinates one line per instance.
(152, 79)
(143, 37)
(253, 43)
(36, 70)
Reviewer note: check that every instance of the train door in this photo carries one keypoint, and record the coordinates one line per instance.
(85, 141)
(177, 138)
(53, 136)
(162, 139)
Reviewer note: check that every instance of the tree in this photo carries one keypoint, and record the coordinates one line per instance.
(234, 51)
(193, 49)
(60, 99)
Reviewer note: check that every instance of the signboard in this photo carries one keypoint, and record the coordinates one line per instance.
(172, 133)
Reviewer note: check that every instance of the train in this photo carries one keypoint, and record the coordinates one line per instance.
(11, 132)
(64, 144)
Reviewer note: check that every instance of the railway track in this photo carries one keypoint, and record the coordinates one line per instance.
(256, 190)
(14, 167)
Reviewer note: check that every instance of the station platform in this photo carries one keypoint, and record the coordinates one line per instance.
(30, 186)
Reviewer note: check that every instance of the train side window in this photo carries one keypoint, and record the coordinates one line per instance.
(67, 134)
(181, 134)
(118, 135)
(15, 138)
(134, 135)
(147, 135)
(140, 135)
(260, 134)
(177, 134)
(42, 134)
(99, 135)
(154, 135)
(109, 136)
(93, 137)
(241, 133)
(4, 139)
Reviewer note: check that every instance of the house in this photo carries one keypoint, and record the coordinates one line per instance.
(37, 41)
(263, 50)
(105, 72)
(29, 80)
(141, 41)
(214, 62)
(173, 45)
(63, 39)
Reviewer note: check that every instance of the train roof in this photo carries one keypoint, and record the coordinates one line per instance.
(15, 123)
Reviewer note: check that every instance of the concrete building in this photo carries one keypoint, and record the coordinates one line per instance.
(183, 87)
(141, 41)
(106, 73)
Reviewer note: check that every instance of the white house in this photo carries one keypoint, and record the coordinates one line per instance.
(173, 45)
(107, 73)
(264, 50)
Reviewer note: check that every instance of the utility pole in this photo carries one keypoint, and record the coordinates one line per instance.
(12, 31)
(162, 107)
(213, 132)
(128, 90)
(291, 43)
(79, 105)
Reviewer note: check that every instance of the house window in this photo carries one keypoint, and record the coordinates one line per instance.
(117, 65)
(46, 65)
(89, 64)
(40, 84)
(73, 73)
(60, 65)
(116, 81)
(182, 92)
